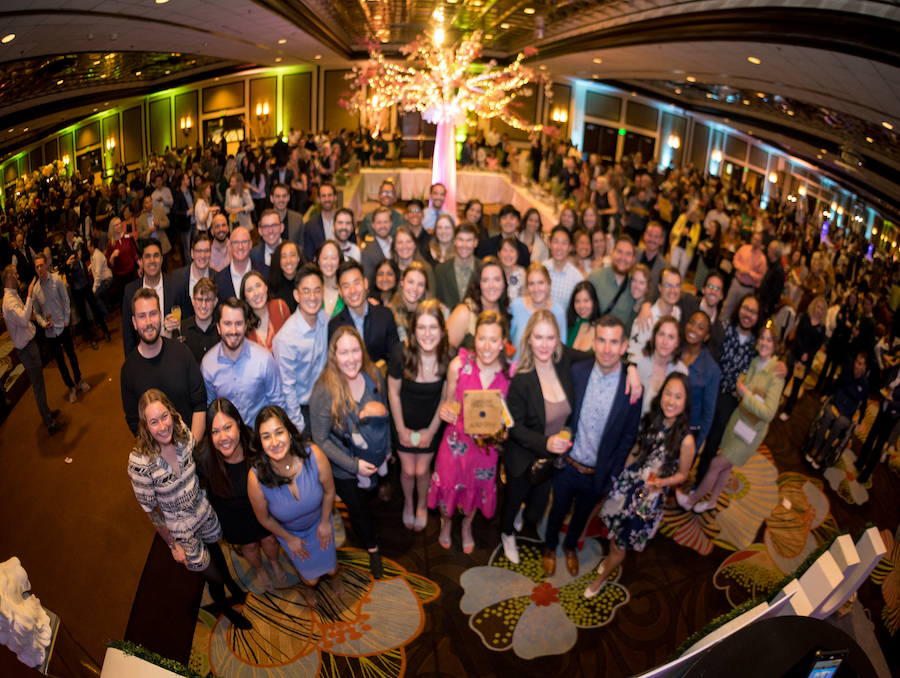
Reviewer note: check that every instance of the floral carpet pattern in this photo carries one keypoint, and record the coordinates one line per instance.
(361, 633)
(747, 500)
(887, 575)
(842, 478)
(519, 607)
(800, 522)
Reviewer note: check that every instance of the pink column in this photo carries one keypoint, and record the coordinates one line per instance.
(443, 164)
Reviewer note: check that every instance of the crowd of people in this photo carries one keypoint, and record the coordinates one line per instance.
(293, 354)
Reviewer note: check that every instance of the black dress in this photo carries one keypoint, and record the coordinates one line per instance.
(418, 401)
(239, 523)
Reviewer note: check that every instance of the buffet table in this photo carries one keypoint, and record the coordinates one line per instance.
(488, 187)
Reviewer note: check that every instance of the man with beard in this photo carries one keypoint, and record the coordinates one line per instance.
(387, 197)
(343, 232)
(321, 227)
(167, 292)
(220, 254)
(293, 221)
(161, 363)
(242, 371)
(612, 284)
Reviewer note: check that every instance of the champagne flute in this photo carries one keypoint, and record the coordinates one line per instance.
(566, 434)
(176, 333)
(456, 407)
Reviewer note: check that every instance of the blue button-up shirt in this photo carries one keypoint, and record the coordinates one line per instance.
(595, 410)
(53, 298)
(431, 216)
(360, 321)
(704, 375)
(251, 382)
(300, 351)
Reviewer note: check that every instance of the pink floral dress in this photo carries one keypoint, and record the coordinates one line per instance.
(465, 473)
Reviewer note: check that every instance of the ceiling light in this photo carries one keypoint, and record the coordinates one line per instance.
(596, 76)
(824, 151)
(791, 113)
(677, 91)
(543, 68)
(504, 26)
(528, 10)
(282, 41)
(753, 60)
(59, 82)
(102, 75)
(167, 72)
(137, 72)
(452, 2)
(634, 94)
(97, 62)
(746, 102)
(489, 36)
(869, 139)
(691, 78)
(95, 110)
(886, 125)
(477, 3)
(318, 56)
(24, 129)
(8, 38)
(12, 129)
(761, 95)
(709, 95)
(750, 132)
(277, 59)
(598, 61)
(161, 2)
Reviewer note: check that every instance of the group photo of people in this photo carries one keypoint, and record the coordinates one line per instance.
(288, 362)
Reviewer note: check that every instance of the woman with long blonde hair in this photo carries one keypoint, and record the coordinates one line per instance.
(238, 203)
(164, 478)
(348, 384)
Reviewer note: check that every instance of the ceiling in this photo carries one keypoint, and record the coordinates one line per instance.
(832, 63)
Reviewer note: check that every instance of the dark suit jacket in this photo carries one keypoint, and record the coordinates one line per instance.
(370, 257)
(293, 229)
(224, 285)
(620, 432)
(182, 278)
(179, 215)
(314, 236)
(466, 155)
(525, 400)
(491, 246)
(273, 177)
(173, 295)
(445, 283)
(379, 330)
(258, 259)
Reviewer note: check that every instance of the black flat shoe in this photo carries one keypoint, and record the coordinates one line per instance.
(375, 565)
(238, 620)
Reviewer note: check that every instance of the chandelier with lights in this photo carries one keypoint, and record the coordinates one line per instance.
(444, 85)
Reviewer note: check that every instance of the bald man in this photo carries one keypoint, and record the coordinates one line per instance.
(228, 280)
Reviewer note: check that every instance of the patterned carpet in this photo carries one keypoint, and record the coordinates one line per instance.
(443, 613)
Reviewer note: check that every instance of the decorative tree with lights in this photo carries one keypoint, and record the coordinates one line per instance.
(444, 86)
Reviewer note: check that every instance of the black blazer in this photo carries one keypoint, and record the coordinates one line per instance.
(258, 259)
(224, 285)
(379, 330)
(490, 247)
(690, 304)
(173, 295)
(179, 216)
(525, 400)
(314, 236)
(621, 427)
(273, 177)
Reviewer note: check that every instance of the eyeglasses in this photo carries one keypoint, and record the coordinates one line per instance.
(204, 300)
(413, 210)
(715, 288)
(387, 193)
(204, 250)
(240, 243)
(670, 286)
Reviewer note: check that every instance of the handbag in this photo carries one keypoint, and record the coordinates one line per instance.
(539, 471)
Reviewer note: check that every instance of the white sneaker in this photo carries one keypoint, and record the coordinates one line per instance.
(520, 519)
(84, 386)
(509, 548)
(683, 499)
(73, 395)
(701, 507)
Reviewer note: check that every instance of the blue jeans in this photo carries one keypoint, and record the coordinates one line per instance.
(569, 485)
(100, 295)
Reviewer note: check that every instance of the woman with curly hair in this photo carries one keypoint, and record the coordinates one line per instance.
(662, 458)
(164, 478)
(269, 314)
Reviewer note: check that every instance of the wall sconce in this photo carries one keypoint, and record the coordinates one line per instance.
(773, 177)
(802, 190)
(110, 144)
(65, 159)
(186, 125)
(262, 112)
(874, 231)
(674, 142)
(840, 210)
(559, 115)
(717, 156)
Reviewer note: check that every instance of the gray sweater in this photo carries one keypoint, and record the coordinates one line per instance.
(330, 438)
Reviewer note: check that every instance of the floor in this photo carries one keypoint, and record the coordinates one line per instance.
(84, 542)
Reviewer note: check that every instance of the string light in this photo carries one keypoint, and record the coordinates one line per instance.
(441, 85)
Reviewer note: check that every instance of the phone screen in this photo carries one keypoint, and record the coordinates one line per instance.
(825, 667)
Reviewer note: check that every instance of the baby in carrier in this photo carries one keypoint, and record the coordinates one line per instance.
(370, 438)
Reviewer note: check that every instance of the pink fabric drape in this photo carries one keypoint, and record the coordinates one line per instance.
(443, 164)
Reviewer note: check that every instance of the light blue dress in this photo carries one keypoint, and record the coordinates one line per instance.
(301, 518)
(520, 315)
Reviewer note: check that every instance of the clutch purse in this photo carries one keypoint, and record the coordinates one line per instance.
(539, 471)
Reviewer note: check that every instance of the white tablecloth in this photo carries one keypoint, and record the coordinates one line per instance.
(488, 187)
